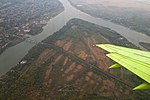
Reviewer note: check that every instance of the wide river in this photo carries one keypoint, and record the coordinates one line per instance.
(13, 55)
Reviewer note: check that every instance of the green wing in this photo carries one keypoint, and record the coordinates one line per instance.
(136, 61)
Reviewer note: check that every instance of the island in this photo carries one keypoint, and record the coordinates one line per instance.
(68, 66)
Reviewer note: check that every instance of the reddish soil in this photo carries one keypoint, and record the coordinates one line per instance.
(90, 74)
(71, 67)
(67, 45)
(79, 67)
(57, 59)
(69, 78)
(87, 78)
(65, 62)
(82, 55)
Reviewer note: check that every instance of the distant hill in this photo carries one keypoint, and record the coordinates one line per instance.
(66, 66)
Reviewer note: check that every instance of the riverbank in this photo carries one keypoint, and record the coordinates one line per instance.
(145, 45)
(13, 43)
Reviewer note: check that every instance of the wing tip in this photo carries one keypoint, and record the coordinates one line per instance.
(115, 66)
(144, 86)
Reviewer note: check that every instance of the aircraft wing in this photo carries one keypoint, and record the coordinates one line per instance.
(136, 61)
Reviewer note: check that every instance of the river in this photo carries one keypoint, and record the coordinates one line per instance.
(13, 55)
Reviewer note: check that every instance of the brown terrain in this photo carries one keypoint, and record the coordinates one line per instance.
(60, 74)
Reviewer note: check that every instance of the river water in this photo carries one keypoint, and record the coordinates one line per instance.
(13, 55)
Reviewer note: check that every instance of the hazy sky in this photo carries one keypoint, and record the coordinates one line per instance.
(142, 0)
(138, 4)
